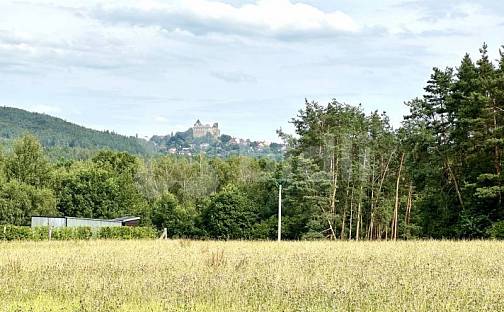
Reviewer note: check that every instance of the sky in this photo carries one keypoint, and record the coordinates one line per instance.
(155, 66)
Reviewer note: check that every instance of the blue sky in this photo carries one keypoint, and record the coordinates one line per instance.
(152, 67)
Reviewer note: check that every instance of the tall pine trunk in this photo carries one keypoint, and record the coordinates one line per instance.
(396, 207)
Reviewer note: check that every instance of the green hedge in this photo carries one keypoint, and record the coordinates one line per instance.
(80, 233)
(10, 233)
(126, 233)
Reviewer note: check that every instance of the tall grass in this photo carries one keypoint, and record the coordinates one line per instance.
(251, 276)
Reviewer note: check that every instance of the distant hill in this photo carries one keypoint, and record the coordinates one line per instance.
(56, 133)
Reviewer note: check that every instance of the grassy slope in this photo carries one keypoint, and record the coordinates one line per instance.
(55, 132)
(251, 276)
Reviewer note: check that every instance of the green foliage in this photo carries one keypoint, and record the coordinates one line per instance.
(496, 231)
(122, 164)
(126, 232)
(229, 215)
(342, 171)
(10, 233)
(63, 233)
(313, 236)
(455, 143)
(168, 214)
(98, 190)
(27, 164)
(83, 233)
(2, 165)
(472, 225)
(188, 179)
(87, 191)
(265, 230)
(164, 213)
(19, 201)
(78, 233)
(40, 233)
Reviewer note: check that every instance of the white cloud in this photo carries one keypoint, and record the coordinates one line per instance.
(270, 18)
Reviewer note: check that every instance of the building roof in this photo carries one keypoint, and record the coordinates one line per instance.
(126, 219)
(121, 219)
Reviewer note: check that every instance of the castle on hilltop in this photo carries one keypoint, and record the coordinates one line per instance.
(201, 130)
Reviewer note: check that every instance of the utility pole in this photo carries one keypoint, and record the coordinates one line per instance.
(280, 213)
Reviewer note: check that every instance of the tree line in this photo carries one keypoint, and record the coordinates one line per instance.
(347, 174)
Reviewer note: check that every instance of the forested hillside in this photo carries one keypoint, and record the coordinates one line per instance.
(347, 174)
(57, 133)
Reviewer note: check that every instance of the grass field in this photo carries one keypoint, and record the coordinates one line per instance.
(251, 276)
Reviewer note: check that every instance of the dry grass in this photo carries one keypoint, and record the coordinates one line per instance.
(251, 276)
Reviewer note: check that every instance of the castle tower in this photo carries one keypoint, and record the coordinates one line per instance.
(201, 130)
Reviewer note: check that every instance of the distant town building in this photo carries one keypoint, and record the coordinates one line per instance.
(201, 130)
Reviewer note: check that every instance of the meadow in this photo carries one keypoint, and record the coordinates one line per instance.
(180, 275)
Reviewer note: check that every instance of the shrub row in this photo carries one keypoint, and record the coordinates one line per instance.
(127, 233)
(11, 232)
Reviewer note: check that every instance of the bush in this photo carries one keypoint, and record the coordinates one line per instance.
(64, 233)
(313, 236)
(11, 232)
(40, 233)
(19, 201)
(105, 233)
(127, 233)
(267, 229)
(144, 233)
(229, 215)
(83, 233)
(178, 220)
(496, 231)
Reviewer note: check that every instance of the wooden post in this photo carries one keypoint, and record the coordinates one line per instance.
(50, 231)
(165, 234)
(351, 219)
(280, 213)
